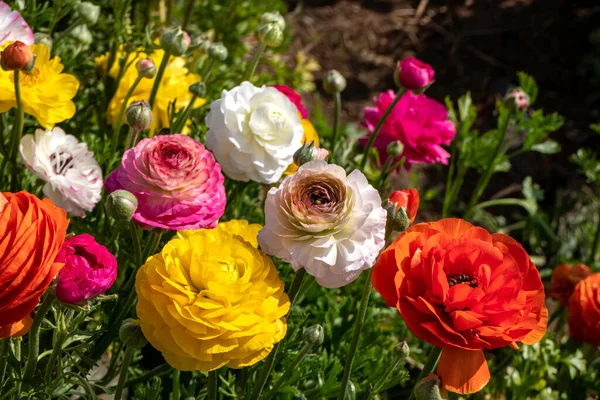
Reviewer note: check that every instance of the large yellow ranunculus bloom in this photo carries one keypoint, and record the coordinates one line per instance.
(310, 134)
(240, 227)
(46, 92)
(174, 87)
(211, 299)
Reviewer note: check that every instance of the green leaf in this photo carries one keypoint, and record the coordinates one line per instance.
(548, 147)
(528, 84)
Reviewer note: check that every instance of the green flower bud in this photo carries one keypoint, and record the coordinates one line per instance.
(121, 205)
(402, 349)
(309, 152)
(131, 334)
(139, 115)
(334, 82)
(397, 218)
(430, 388)
(146, 68)
(314, 335)
(218, 51)
(42, 38)
(270, 34)
(394, 149)
(198, 89)
(175, 41)
(82, 34)
(273, 16)
(88, 12)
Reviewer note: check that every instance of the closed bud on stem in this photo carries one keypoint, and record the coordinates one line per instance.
(273, 16)
(517, 99)
(402, 349)
(42, 38)
(395, 149)
(218, 51)
(82, 34)
(88, 12)
(198, 89)
(397, 218)
(131, 334)
(270, 34)
(139, 115)
(430, 388)
(175, 41)
(146, 68)
(16, 56)
(121, 205)
(309, 152)
(334, 82)
(314, 335)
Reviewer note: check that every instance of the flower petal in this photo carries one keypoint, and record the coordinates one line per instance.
(463, 371)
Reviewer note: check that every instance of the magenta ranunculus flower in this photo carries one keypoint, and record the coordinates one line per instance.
(90, 269)
(414, 74)
(294, 98)
(420, 123)
(177, 183)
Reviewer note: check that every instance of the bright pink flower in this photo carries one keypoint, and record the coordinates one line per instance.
(420, 123)
(90, 269)
(414, 74)
(294, 98)
(177, 182)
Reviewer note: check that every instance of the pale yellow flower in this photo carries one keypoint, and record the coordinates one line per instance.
(240, 227)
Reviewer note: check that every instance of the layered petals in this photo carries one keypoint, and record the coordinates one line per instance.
(584, 311)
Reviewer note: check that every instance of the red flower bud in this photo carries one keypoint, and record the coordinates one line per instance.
(408, 199)
(16, 56)
(413, 74)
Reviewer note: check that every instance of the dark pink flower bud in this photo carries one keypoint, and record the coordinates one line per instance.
(413, 74)
(518, 99)
(90, 269)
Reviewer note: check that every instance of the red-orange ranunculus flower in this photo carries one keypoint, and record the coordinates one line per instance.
(464, 290)
(407, 198)
(564, 279)
(584, 311)
(31, 234)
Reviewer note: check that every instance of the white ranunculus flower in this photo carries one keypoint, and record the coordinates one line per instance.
(328, 223)
(13, 27)
(253, 133)
(73, 176)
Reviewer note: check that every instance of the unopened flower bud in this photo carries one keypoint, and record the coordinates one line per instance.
(16, 56)
(198, 89)
(42, 38)
(397, 218)
(273, 16)
(131, 334)
(270, 34)
(88, 12)
(314, 335)
(139, 115)
(218, 51)
(430, 388)
(175, 41)
(394, 149)
(413, 74)
(309, 152)
(334, 82)
(517, 99)
(402, 349)
(121, 205)
(146, 68)
(82, 34)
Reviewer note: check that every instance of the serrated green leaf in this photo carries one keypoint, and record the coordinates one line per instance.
(548, 147)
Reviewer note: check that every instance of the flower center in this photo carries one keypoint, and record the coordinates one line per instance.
(61, 161)
(462, 278)
(29, 78)
(174, 155)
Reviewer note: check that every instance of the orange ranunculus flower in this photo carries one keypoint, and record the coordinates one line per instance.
(32, 232)
(584, 311)
(564, 279)
(464, 290)
(407, 198)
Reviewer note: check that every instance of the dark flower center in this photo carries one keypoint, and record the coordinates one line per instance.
(462, 278)
(174, 155)
(61, 162)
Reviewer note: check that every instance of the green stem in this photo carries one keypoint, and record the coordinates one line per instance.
(378, 127)
(449, 184)
(136, 243)
(57, 348)
(187, 13)
(64, 33)
(213, 384)
(288, 371)
(34, 338)
(385, 169)
(17, 128)
(360, 319)
(429, 366)
(206, 73)
(133, 138)
(337, 98)
(124, 372)
(596, 243)
(381, 382)
(270, 360)
(176, 384)
(158, 371)
(4, 343)
(161, 71)
(260, 48)
(115, 138)
(185, 115)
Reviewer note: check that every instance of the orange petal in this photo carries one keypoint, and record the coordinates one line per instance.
(539, 331)
(384, 273)
(17, 329)
(463, 371)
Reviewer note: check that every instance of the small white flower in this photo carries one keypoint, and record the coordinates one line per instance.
(328, 223)
(73, 176)
(13, 27)
(253, 133)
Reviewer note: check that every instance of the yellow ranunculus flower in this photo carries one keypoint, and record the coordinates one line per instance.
(174, 87)
(309, 134)
(211, 299)
(46, 92)
(240, 227)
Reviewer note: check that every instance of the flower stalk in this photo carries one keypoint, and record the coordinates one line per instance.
(429, 367)
(337, 98)
(260, 48)
(305, 350)
(161, 71)
(176, 385)
(115, 138)
(213, 384)
(17, 127)
(34, 338)
(124, 372)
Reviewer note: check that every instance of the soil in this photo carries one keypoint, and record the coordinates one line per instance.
(474, 45)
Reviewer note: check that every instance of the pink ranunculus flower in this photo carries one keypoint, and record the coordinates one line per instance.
(13, 27)
(294, 98)
(90, 269)
(414, 74)
(177, 183)
(420, 123)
